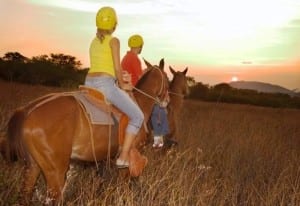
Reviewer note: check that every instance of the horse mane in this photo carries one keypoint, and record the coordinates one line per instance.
(172, 83)
(143, 77)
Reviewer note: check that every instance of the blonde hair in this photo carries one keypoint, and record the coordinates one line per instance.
(102, 32)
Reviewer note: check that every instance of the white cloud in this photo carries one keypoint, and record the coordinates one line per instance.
(220, 30)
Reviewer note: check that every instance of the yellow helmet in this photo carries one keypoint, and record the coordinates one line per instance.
(135, 41)
(106, 18)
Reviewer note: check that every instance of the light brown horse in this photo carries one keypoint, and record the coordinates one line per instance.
(48, 136)
(177, 90)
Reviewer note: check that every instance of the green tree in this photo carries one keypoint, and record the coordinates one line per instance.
(191, 81)
(199, 91)
(41, 58)
(15, 56)
(222, 87)
(65, 61)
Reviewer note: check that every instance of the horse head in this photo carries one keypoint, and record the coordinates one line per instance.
(160, 82)
(179, 83)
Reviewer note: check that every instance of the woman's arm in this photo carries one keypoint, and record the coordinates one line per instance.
(115, 48)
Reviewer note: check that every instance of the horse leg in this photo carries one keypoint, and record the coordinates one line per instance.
(171, 139)
(56, 179)
(31, 174)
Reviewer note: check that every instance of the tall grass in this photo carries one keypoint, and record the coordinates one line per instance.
(227, 155)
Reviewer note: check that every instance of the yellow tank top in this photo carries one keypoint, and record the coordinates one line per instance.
(101, 57)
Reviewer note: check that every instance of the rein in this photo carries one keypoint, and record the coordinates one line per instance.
(147, 95)
(160, 90)
(177, 94)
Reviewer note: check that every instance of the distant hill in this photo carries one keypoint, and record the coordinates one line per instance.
(262, 87)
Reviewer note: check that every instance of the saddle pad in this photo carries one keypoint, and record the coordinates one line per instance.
(97, 114)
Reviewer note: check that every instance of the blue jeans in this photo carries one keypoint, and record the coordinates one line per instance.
(120, 99)
(159, 121)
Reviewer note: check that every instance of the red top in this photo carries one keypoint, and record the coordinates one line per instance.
(132, 64)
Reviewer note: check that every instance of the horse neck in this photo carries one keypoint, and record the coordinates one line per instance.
(176, 100)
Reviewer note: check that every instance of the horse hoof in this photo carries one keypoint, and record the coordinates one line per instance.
(171, 143)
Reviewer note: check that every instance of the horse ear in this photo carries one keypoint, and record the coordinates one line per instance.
(172, 70)
(185, 71)
(162, 64)
(147, 63)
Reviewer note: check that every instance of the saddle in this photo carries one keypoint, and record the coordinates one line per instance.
(100, 111)
(137, 161)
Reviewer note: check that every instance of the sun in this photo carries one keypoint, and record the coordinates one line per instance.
(234, 79)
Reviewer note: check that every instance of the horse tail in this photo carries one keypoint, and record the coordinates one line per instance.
(15, 143)
(3, 146)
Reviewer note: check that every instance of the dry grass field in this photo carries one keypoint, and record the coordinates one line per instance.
(227, 155)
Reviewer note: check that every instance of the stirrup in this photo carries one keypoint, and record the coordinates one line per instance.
(122, 164)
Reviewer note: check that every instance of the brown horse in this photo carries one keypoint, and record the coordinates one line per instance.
(49, 135)
(177, 90)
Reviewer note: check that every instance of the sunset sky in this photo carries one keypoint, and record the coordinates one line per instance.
(219, 40)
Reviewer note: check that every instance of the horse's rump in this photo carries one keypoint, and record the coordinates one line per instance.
(26, 120)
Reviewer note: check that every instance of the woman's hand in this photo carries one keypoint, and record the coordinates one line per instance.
(126, 76)
(127, 86)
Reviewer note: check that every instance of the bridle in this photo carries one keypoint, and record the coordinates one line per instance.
(161, 90)
(177, 94)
